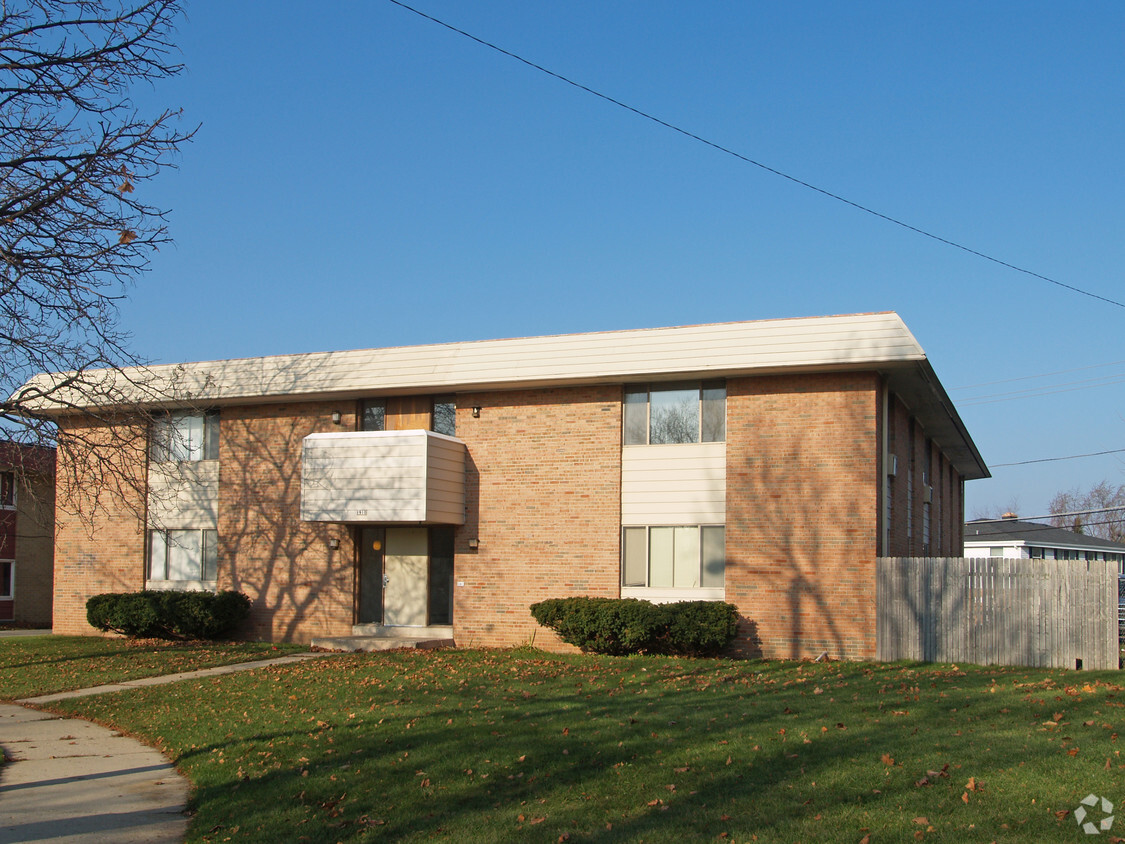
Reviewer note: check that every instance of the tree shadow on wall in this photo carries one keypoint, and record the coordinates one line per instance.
(806, 542)
(296, 581)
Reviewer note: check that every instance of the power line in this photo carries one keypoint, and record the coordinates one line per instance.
(1041, 375)
(748, 160)
(1045, 390)
(1056, 459)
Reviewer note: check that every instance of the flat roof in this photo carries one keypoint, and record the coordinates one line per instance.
(875, 341)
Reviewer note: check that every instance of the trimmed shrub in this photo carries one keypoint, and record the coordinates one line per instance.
(604, 625)
(627, 625)
(155, 614)
(701, 628)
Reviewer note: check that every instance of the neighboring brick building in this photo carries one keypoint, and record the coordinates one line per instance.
(27, 510)
(765, 463)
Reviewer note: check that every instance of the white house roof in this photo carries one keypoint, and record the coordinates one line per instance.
(878, 341)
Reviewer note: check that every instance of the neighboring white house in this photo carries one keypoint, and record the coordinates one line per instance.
(1014, 539)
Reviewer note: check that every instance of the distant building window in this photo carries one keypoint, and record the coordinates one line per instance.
(373, 415)
(444, 419)
(178, 437)
(179, 555)
(996, 551)
(1035, 553)
(683, 556)
(7, 579)
(675, 413)
(8, 489)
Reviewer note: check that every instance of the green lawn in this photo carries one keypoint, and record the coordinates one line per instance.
(40, 665)
(520, 745)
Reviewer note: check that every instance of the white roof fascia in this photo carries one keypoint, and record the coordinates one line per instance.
(723, 349)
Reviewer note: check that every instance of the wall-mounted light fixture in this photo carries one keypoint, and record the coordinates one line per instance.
(476, 413)
(474, 544)
(334, 544)
(336, 417)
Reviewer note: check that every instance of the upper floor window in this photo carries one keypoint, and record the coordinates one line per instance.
(676, 413)
(185, 436)
(444, 416)
(373, 415)
(7, 489)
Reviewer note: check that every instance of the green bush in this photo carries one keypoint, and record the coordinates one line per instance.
(168, 615)
(701, 628)
(628, 625)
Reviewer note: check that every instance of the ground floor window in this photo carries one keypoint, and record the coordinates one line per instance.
(7, 579)
(178, 555)
(673, 556)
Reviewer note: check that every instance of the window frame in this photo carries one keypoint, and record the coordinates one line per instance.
(449, 402)
(11, 590)
(707, 587)
(366, 405)
(710, 412)
(162, 538)
(166, 443)
(9, 497)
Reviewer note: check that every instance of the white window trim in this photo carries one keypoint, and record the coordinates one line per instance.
(11, 596)
(664, 594)
(15, 495)
(168, 584)
(668, 595)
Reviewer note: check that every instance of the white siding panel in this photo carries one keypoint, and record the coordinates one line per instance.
(673, 484)
(184, 495)
(725, 348)
(383, 476)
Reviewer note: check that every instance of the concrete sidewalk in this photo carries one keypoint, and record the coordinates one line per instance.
(67, 780)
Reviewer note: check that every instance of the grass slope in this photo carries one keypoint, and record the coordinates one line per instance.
(521, 745)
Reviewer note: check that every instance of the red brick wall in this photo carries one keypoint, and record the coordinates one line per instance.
(99, 527)
(300, 588)
(543, 488)
(802, 481)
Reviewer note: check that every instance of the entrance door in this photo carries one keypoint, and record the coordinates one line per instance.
(370, 598)
(406, 562)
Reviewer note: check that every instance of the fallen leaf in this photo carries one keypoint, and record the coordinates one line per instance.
(964, 797)
(922, 821)
(887, 759)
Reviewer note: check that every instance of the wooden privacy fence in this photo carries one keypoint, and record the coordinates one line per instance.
(991, 611)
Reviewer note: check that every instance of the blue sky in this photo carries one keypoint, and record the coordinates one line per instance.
(363, 177)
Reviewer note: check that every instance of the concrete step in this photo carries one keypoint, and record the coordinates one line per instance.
(435, 631)
(378, 643)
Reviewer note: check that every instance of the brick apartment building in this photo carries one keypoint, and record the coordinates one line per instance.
(27, 513)
(763, 463)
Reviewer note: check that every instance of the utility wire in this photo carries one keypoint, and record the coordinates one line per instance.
(1041, 375)
(1057, 459)
(748, 160)
(1045, 390)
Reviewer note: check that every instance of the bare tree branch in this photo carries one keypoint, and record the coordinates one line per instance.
(75, 230)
